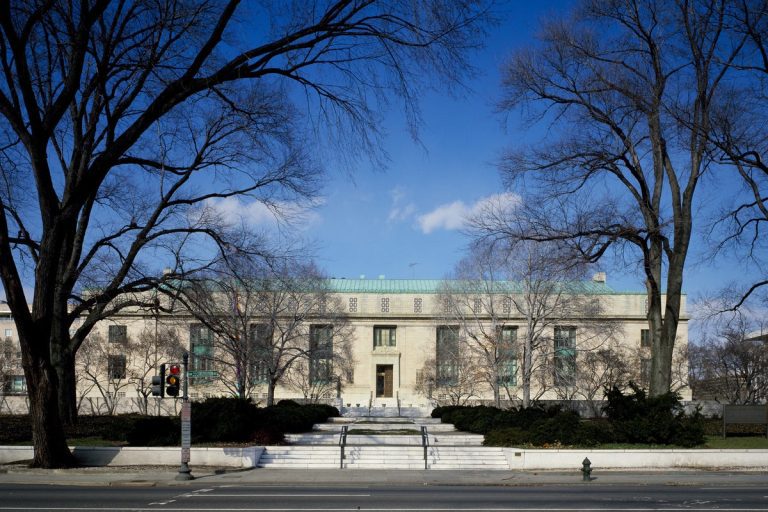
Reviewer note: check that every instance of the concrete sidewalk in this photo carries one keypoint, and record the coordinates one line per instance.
(208, 476)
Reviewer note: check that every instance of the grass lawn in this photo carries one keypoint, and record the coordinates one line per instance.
(712, 442)
(740, 442)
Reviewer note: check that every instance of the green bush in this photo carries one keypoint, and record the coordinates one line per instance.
(224, 420)
(548, 428)
(288, 403)
(438, 412)
(15, 429)
(637, 418)
(154, 431)
(510, 436)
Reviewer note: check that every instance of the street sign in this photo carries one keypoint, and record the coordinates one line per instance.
(210, 374)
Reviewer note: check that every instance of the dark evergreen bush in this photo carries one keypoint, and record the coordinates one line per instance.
(288, 403)
(509, 436)
(154, 431)
(438, 412)
(224, 419)
(15, 429)
(637, 418)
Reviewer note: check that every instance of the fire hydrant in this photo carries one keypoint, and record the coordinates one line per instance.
(586, 469)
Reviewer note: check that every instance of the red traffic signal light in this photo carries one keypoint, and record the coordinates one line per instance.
(173, 380)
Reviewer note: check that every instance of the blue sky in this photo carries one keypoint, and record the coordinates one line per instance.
(404, 222)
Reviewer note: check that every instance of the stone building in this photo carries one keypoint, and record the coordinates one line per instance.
(405, 343)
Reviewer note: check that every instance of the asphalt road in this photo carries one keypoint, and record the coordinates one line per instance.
(383, 498)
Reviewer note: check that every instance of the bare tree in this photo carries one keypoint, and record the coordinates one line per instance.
(741, 142)
(731, 366)
(103, 365)
(124, 124)
(453, 381)
(521, 303)
(314, 379)
(155, 345)
(599, 370)
(628, 89)
(265, 319)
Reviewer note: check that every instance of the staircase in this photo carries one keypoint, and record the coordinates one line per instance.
(384, 442)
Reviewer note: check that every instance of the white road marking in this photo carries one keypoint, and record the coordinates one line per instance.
(272, 495)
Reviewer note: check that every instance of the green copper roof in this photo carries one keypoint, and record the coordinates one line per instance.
(436, 286)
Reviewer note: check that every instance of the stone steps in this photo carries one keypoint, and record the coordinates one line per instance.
(332, 439)
(448, 448)
(383, 457)
(383, 427)
(388, 420)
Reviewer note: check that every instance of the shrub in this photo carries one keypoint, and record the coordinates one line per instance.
(510, 436)
(223, 419)
(267, 436)
(288, 403)
(637, 418)
(438, 412)
(154, 431)
(15, 429)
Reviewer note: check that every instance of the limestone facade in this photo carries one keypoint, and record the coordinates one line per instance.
(393, 332)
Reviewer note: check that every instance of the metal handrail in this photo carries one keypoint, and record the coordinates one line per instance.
(425, 444)
(342, 444)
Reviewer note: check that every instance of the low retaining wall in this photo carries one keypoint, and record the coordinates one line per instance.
(137, 456)
(518, 459)
(636, 459)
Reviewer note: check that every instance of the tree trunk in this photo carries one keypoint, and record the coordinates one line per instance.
(63, 361)
(271, 392)
(526, 371)
(50, 444)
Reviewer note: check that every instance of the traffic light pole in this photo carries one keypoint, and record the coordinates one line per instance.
(186, 424)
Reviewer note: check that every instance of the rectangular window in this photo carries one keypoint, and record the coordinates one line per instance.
(118, 334)
(353, 304)
(116, 366)
(320, 353)
(645, 338)
(507, 355)
(447, 355)
(15, 385)
(385, 305)
(200, 354)
(260, 338)
(565, 356)
(384, 336)
(8, 333)
(417, 305)
(477, 306)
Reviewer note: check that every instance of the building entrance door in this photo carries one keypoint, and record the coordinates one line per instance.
(384, 379)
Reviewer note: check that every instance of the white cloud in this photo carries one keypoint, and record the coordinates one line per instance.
(400, 212)
(452, 216)
(232, 210)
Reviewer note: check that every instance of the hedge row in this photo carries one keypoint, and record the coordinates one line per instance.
(631, 418)
(216, 420)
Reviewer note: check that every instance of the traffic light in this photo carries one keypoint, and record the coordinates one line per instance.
(173, 380)
(158, 383)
